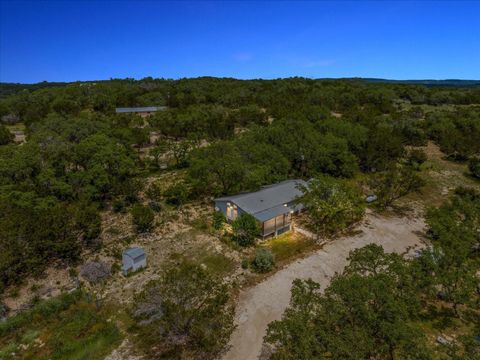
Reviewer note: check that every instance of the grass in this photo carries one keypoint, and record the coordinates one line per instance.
(217, 263)
(66, 327)
(288, 245)
(441, 177)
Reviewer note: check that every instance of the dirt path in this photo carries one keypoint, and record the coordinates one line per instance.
(265, 302)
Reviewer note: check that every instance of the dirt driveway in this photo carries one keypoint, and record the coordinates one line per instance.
(265, 302)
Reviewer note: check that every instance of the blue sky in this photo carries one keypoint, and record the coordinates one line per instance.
(91, 40)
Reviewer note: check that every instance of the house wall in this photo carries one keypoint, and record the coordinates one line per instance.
(222, 207)
(127, 263)
(138, 264)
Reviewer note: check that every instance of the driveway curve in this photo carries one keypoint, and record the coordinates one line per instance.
(265, 302)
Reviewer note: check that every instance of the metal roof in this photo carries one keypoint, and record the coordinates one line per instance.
(140, 109)
(269, 201)
(134, 252)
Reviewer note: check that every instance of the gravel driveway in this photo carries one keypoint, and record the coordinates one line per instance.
(263, 303)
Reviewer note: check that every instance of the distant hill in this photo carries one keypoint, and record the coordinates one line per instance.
(446, 82)
(7, 89)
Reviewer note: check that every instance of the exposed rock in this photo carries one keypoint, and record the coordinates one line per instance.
(95, 271)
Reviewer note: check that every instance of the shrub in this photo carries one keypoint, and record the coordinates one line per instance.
(245, 264)
(143, 217)
(155, 206)
(416, 158)
(118, 205)
(474, 166)
(263, 261)
(154, 192)
(245, 229)
(176, 194)
(218, 220)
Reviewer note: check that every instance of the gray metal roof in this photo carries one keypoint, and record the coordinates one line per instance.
(134, 252)
(140, 109)
(270, 200)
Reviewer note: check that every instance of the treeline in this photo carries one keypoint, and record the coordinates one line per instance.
(384, 306)
(35, 101)
(52, 187)
(231, 135)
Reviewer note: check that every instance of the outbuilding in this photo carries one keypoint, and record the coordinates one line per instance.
(142, 111)
(133, 259)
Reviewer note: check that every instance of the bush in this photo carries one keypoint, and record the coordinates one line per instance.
(218, 220)
(416, 158)
(263, 261)
(143, 217)
(118, 205)
(245, 229)
(176, 194)
(155, 206)
(245, 264)
(474, 166)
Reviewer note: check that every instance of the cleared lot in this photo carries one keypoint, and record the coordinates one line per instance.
(259, 305)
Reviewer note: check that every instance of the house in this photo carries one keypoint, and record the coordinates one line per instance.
(133, 259)
(272, 206)
(142, 111)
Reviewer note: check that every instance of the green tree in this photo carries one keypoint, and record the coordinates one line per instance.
(392, 184)
(474, 166)
(454, 229)
(366, 313)
(142, 217)
(245, 229)
(217, 169)
(186, 314)
(332, 204)
(5, 135)
(177, 194)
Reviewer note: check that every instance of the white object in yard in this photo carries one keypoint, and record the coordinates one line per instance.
(371, 198)
(444, 340)
(133, 259)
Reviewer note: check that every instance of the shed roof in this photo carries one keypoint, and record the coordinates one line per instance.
(269, 201)
(134, 252)
(140, 109)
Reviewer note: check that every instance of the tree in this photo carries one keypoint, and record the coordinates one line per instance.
(332, 204)
(366, 313)
(392, 184)
(177, 194)
(383, 147)
(186, 314)
(454, 229)
(142, 217)
(245, 230)
(474, 166)
(6, 136)
(218, 168)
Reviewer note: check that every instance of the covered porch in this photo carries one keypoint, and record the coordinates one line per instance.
(276, 226)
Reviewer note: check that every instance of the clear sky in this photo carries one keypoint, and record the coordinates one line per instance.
(92, 40)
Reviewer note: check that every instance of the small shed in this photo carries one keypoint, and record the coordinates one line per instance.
(133, 259)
